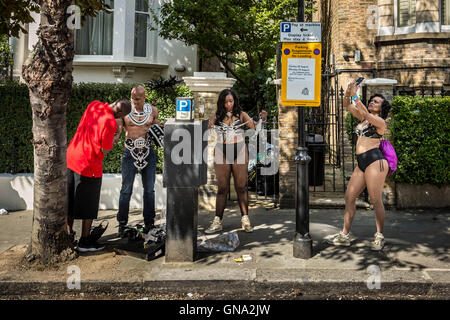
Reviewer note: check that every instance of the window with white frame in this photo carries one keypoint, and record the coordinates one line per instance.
(445, 12)
(142, 16)
(406, 13)
(96, 34)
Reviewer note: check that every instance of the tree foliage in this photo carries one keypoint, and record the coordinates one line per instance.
(241, 34)
(13, 14)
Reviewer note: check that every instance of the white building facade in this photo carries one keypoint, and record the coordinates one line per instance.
(118, 47)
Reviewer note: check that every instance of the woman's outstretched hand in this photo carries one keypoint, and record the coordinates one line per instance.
(263, 115)
(351, 89)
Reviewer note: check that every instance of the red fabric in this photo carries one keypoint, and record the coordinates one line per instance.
(95, 131)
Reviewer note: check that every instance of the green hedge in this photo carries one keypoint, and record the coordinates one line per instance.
(350, 124)
(15, 129)
(16, 120)
(420, 133)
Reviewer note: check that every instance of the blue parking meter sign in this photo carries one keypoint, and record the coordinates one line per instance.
(183, 105)
(286, 27)
(185, 109)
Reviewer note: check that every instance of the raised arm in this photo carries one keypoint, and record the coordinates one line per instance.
(211, 121)
(252, 123)
(349, 93)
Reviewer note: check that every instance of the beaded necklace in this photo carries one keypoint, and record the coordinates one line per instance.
(146, 114)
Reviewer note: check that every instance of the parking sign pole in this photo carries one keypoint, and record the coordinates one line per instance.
(302, 247)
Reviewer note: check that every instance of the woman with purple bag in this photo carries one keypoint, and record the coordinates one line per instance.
(372, 164)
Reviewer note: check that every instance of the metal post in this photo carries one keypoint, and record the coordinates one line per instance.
(302, 241)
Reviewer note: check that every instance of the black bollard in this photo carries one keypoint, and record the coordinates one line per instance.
(302, 246)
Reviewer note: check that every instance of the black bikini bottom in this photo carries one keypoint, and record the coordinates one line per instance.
(230, 150)
(367, 158)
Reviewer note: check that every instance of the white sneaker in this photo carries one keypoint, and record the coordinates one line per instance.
(378, 243)
(340, 239)
(215, 226)
(246, 224)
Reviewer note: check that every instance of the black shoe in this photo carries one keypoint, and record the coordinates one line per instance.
(122, 229)
(97, 232)
(132, 233)
(72, 238)
(86, 245)
(147, 229)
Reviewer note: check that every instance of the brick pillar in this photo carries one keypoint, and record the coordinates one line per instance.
(206, 87)
(288, 143)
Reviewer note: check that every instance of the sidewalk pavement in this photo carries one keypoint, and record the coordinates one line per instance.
(414, 262)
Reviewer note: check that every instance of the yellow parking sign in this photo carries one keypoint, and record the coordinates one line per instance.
(301, 74)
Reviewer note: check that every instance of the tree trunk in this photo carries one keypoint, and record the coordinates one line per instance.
(48, 75)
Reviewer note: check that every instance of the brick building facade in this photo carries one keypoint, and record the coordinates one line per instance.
(405, 40)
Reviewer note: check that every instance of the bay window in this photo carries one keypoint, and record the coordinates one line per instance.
(96, 34)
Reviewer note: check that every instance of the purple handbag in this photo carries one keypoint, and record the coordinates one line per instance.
(389, 154)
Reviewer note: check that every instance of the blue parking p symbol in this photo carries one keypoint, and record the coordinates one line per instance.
(183, 105)
(286, 27)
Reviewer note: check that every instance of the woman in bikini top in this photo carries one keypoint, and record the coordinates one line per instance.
(231, 156)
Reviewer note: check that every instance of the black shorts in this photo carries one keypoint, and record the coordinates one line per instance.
(83, 195)
(231, 151)
(367, 158)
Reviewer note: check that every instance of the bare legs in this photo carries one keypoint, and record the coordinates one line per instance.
(373, 179)
(223, 175)
(85, 226)
(355, 187)
(375, 182)
(240, 175)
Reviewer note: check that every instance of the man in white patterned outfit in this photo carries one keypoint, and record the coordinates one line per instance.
(138, 155)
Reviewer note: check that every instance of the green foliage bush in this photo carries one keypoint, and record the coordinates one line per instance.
(15, 129)
(16, 119)
(350, 124)
(420, 133)
(263, 87)
(164, 99)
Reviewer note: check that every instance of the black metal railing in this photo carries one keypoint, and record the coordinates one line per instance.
(263, 187)
(266, 184)
(422, 91)
(326, 144)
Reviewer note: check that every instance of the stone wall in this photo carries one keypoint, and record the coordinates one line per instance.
(422, 196)
(415, 59)
(350, 32)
